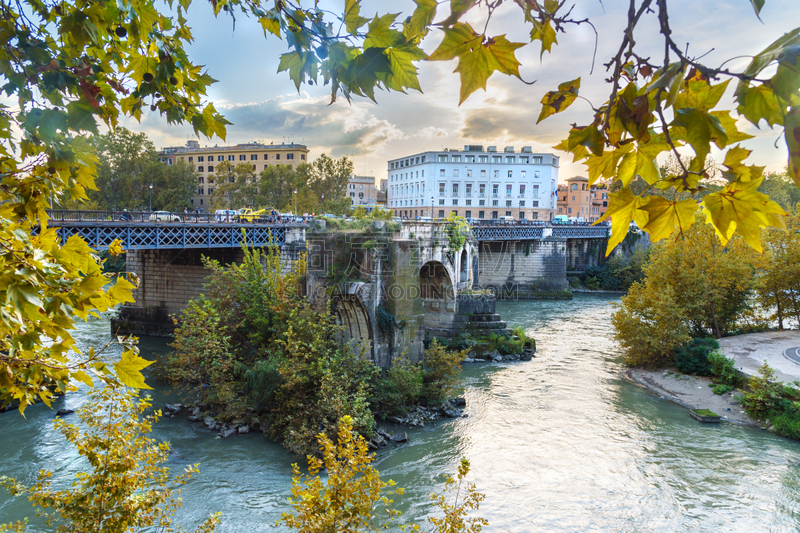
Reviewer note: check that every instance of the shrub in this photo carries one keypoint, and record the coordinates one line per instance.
(442, 373)
(723, 369)
(766, 395)
(262, 381)
(787, 424)
(722, 389)
(399, 389)
(692, 358)
(592, 283)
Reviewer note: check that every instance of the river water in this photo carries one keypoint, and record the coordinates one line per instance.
(557, 444)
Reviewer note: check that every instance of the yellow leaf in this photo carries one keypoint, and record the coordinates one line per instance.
(121, 292)
(792, 133)
(624, 207)
(129, 369)
(665, 216)
(83, 377)
(115, 248)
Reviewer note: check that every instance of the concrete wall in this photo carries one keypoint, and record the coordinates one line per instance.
(511, 268)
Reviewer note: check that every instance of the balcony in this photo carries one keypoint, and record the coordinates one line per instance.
(468, 194)
(482, 195)
(441, 193)
(495, 195)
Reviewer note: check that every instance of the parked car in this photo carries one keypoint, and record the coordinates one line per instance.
(164, 216)
(248, 215)
(225, 215)
(560, 219)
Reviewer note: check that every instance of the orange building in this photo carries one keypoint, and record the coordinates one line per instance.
(578, 200)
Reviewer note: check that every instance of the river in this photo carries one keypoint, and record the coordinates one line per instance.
(557, 444)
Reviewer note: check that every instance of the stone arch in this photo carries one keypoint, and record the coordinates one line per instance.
(350, 312)
(435, 282)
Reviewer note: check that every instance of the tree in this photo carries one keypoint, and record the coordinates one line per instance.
(126, 489)
(779, 272)
(329, 177)
(68, 67)
(693, 287)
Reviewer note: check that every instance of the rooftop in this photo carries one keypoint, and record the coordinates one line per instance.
(194, 146)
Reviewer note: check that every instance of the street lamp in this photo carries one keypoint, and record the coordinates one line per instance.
(151, 197)
(431, 208)
(323, 204)
(295, 202)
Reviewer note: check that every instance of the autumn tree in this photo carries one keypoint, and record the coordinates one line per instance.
(779, 272)
(694, 287)
(126, 488)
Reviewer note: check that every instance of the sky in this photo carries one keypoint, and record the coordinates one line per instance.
(265, 106)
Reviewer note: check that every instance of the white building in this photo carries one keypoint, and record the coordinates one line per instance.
(362, 191)
(474, 183)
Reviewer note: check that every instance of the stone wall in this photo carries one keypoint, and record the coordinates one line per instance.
(583, 253)
(512, 268)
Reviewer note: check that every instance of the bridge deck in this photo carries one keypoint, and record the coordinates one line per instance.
(155, 236)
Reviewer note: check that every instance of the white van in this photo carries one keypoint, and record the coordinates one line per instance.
(225, 215)
(506, 218)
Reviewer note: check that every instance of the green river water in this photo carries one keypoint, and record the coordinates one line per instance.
(557, 444)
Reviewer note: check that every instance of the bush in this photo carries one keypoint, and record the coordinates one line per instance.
(442, 377)
(692, 358)
(262, 381)
(400, 389)
(591, 283)
(616, 274)
(723, 369)
(766, 396)
(722, 389)
(787, 424)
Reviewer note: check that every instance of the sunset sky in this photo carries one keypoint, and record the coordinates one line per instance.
(265, 106)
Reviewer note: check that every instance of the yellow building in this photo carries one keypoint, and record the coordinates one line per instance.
(205, 159)
(578, 200)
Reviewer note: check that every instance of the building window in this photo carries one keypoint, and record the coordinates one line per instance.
(441, 213)
(200, 159)
(441, 201)
(468, 214)
(573, 186)
(455, 172)
(495, 190)
(522, 174)
(537, 160)
(190, 159)
(220, 158)
(508, 189)
(569, 210)
(442, 158)
(483, 173)
(441, 172)
(510, 173)
(468, 190)
(522, 203)
(510, 159)
(201, 201)
(200, 190)
(455, 189)
(456, 159)
(253, 157)
(482, 189)
(254, 167)
(522, 215)
(455, 213)
(494, 203)
(508, 213)
(265, 167)
(496, 173)
(497, 159)
(480, 214)
(481, 202)
(524, 159)
(200, 168)
(361, 195)
(573, 198)
(211, 168)
(483, 159)
(469, 159)
(302, 157)
(535, 215)
(455, 201)
(210, 192)
(200, 180)
(289, 156)
(230, 158)
(522, 189)
(494, 214)
(441, 189)
(468, 202)
(535, 203)
(508, 203)
(242, 157)
(535, 190)
(277, 156)
(469, 172)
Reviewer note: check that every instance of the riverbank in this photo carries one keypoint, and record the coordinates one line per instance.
(691, 392)
(749, 351)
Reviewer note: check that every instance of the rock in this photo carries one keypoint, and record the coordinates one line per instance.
(452, 412)
(469, 360)
(237, 422)
(211, 423)
(172, 409)
(771, 429)
(255, 423)
(458, 402)
(383, 433)
(378, 441)
(371, 446)
(193, 418)
(195, 412)
(396, 420)
(64, 412)
(399, 437)
(244, 428)
(226, 432)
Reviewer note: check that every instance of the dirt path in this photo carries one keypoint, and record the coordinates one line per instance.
(691, 392)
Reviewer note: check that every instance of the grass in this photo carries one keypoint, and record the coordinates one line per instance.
(705, 412)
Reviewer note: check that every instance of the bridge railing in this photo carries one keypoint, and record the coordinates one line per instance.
(513, 232)
(68, 216)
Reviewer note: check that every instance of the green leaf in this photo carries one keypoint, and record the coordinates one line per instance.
(458, 39)
(129, 369)
(699, 129)
(760, 103)
(380, 33)
(352, 17)
(557, 101)
(638, 164)
(421, 18)
(457, 9)
(477, 64)
(545, 32)
(757, 5)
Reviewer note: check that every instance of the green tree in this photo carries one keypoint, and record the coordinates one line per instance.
(235, 186)
(127, 488)
(779, 187)
(174, 187)
(779, 272)
(329, 177)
